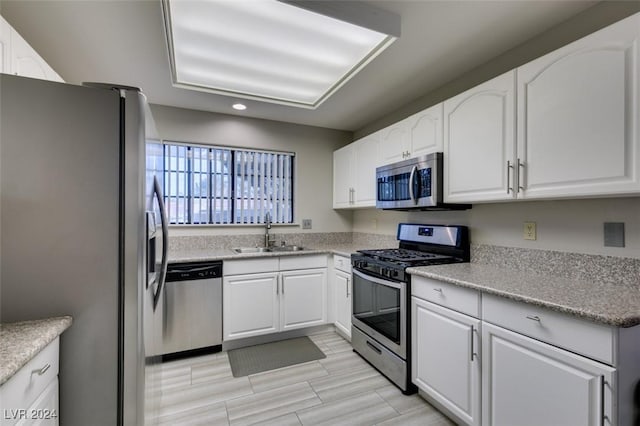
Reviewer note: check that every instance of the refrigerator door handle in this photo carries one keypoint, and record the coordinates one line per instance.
(157, 192)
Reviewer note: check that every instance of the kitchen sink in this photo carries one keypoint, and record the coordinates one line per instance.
(268, 249)
(287, 248)
(252, 249)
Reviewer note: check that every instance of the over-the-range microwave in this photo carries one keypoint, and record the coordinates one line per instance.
(413, 184)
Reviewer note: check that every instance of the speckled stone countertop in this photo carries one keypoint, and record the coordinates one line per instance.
(196, 255)
(612, 304)
(21, 341)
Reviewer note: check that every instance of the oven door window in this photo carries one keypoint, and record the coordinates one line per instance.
(378, 306)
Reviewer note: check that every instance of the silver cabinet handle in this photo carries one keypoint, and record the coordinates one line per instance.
(42, 370)
(282, 283)
(277, 285)
(509, 169)
(473, 352)
(348, 281)
(520, 180)
(439, 290)
(604, 416)
(533, 318)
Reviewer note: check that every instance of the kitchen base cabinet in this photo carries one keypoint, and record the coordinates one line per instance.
(30, 396)
(250, 305)
(303, 298)
(275, 296)
(527, 382)
(445, 361)
(342, 288)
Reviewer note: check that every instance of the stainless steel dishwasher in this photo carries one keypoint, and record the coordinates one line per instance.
(193, 309)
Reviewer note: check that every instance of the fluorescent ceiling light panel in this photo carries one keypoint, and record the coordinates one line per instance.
(265, 49)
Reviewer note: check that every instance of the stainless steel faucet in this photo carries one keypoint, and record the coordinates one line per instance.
(268, 242)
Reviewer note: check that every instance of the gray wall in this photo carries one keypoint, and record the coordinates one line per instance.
(314, 146)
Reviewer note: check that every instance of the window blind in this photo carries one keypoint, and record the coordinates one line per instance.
(214, 185)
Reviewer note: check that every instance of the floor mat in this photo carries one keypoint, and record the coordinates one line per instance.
(269, 356)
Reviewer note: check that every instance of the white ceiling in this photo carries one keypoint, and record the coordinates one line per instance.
(124, 42)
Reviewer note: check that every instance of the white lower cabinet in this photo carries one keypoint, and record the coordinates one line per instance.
(250, 305)
(445, 358)
(341, 291)
(30, 396)
(270, 300)
(303, 298)
(342, 287)
(445, 354)
(527, 382)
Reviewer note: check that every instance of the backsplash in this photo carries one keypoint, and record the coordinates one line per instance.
(588, 267)
(203, 242)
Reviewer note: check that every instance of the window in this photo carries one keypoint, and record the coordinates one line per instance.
(219, 185)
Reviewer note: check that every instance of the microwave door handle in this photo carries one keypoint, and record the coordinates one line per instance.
(412, 177)
(162, 274)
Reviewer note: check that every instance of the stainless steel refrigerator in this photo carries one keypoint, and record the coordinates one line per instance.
(78, 238)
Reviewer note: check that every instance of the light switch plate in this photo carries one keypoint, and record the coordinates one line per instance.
(306, 223)
(614, 234)
(529, 230)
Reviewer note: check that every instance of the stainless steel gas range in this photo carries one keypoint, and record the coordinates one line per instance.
(381, 293)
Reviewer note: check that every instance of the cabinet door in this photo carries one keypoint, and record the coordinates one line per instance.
(479, 142)
(365, 161)
(425, 131)
(5, 46)
(304, 298)
(342, 286)
(394, 143)
(527, 382)
(445, 362)
(44, 411)
(578, 116)
(251, 305)
(343, 177)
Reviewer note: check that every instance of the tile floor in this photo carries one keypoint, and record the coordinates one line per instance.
(340, 389)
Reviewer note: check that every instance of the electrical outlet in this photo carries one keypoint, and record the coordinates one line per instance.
(614, 234)
(529, 230)
(306, 223)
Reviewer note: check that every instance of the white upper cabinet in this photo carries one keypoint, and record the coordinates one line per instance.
(343, 177)
(414, 136)
(578, 111)
(19, 58)
(479, 142)
(393, 143)
(5, 46)
(354, 173)
(424, 131)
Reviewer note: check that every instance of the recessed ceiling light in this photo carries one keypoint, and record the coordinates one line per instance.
(270, 50)
(239, 107)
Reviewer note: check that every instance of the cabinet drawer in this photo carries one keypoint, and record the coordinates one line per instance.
(593, 340)
(451, 296)
(250, 266)
(24, 387)
(342, 263)
(288, 263)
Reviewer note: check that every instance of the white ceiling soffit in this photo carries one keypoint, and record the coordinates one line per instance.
(295, 53)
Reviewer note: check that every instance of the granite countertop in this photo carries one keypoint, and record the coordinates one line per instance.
(21, 341)
(612, 304)
(196, 255)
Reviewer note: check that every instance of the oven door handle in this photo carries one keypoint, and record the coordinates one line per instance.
(377, 280)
